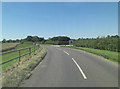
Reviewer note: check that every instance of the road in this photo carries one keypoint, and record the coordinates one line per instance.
(65, 67)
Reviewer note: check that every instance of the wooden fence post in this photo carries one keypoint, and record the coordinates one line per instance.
(19, 54)
(30, 52)
(34, 49)
(38, 47)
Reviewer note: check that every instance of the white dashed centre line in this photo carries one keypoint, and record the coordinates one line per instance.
(66, 53)
(83, 74)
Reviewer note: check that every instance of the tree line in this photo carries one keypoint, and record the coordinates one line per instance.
(28, 38)
(60, 40)
(111, 43)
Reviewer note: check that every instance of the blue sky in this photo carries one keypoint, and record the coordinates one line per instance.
(49, 19)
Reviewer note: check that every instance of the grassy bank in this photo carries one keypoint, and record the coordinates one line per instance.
(104, 53)
(15, 75)
(8, 56)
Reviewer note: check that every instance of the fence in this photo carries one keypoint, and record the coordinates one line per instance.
(35, 47)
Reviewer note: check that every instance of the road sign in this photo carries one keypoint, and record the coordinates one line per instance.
(71, 42)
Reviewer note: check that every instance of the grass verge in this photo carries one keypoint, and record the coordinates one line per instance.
(19, 72)
(104, 53)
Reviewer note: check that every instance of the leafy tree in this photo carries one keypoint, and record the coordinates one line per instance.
(9, 41)
(29, 38)
(4, 41)
(60, 40)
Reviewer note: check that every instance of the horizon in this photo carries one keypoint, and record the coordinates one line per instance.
(62, 36)
(51, 19)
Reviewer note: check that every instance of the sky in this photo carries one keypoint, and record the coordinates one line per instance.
(49, 19)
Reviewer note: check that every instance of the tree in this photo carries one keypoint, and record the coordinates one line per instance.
(111, 43)
(35, 39)
(4, 41)
(17, 40)
(29, 38)
(41, 39)
(9, 41)
(59, 40)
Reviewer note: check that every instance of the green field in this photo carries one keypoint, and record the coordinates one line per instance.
(8, 46)
(104, 53)
(8, 56)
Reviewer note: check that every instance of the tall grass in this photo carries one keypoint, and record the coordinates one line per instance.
(8, 46)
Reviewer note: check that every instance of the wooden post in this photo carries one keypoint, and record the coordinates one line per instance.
(34, 49)
(38, 47)
(30, 52)
(19, 54)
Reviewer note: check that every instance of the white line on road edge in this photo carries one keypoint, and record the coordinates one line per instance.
(84, 76)
(66, 53)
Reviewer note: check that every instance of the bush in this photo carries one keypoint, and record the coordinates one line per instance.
(111, 43)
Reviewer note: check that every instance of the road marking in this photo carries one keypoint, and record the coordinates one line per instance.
(66, 53)
(84, 76)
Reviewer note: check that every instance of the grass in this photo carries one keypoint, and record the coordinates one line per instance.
(8, 46)
(22, 71)
(8, 56)
(104, 53)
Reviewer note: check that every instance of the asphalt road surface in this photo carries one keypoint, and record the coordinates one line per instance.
(65, 67)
